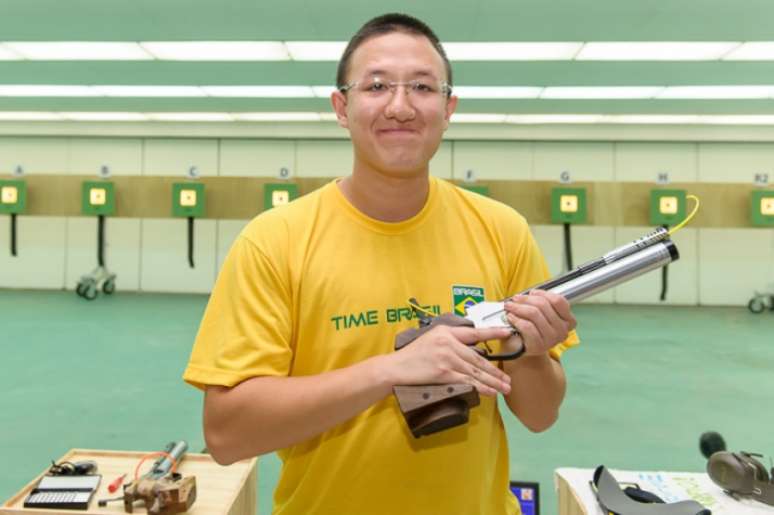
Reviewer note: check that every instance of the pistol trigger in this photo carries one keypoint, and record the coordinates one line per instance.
(482, 352)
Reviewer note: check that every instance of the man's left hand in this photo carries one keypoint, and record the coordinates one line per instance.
(544, 319)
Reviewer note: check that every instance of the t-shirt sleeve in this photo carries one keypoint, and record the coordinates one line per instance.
(528, 269)
(246, 330)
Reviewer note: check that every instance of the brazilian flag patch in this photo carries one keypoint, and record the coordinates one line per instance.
(465, 296)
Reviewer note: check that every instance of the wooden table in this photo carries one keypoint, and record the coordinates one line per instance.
(576, 497)
(569, 502)
(228, 490)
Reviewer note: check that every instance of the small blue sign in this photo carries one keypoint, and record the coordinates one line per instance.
(528, 495)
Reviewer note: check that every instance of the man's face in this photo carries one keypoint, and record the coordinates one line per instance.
(395, 130)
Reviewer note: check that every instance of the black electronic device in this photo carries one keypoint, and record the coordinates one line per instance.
(68, 468)
(63, 492)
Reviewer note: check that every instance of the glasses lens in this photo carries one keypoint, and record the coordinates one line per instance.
(425, 87)
(373, 85)
(377, 86)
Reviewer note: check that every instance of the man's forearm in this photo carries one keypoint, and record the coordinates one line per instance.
(537, 389)
(263, 414)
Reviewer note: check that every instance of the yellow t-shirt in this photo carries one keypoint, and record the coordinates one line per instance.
(316, 286)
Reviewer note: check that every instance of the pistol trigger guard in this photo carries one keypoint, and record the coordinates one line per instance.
(510, 356)
(481, 352)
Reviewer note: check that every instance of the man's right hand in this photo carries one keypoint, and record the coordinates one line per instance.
(445, 355)
(263, 414)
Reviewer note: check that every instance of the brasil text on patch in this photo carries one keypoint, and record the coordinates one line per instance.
(464, 296)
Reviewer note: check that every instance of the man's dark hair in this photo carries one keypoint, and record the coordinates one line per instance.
(385, 24)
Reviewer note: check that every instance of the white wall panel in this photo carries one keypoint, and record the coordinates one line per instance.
(174, 157)
(228, 230)
(682, 279)
(324, 158)
(164, 259)
(493, 160)
(256, 158)
(121, 156)
(588, 242)
(733, 264)
(643, 162)
(717, 266)
(735, 162)
(550, 240)
(40, 245)
(441, 163)
(35, 155)
(122, 250)
(583, 161)
(333, 158)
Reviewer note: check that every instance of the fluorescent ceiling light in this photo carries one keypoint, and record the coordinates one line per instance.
(464, 92)
(79, 51)
(28, 115)
(323, 91)
(292, 116)
(623, 92)
(496, 92)
(753, 51)
(753, 119)
(655, 51)
(259, 91)
(23, 90)
(98, 116)
(315, 50)
(510, 51)
(191, 117)
(719, 92)
(651, 119)
(478, 118)
(6, 54)
(332, 50)
(217, 50)
(149, 91)
(553, 118)
(278, 117)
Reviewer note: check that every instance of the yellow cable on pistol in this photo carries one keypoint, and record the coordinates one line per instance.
(420, 308)
(689, 217)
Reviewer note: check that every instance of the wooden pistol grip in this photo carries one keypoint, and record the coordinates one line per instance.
(429, 409)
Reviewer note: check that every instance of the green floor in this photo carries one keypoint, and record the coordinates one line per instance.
(645, 384)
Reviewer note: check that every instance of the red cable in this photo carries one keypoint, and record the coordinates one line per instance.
(149, 455)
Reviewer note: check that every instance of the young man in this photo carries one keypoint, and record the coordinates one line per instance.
(295, 351)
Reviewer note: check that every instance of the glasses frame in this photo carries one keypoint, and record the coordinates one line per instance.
(446, 89)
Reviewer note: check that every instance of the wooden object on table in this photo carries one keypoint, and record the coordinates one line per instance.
(222, 490)
(166, 495)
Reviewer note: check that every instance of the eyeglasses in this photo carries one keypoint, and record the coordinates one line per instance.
(378, 87)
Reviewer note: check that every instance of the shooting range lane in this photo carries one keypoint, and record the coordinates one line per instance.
(648, 382)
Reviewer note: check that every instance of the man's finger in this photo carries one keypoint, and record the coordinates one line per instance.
(482, 388)
(540, 319)
(482, 371)
(470, 335)
(560, 304)
(480, 366)
(528, 331)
